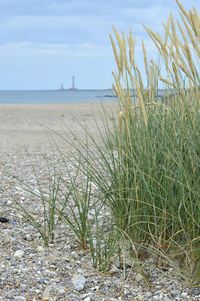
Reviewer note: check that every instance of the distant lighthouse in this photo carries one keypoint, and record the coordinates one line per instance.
(73, 84)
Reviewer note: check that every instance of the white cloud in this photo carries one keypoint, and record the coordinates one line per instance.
(28, 50)
(58, 37)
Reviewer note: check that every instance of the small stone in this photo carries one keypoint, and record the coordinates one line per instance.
(28, 237)
(56, 280)
(87, 299)
(80, 271)
(85, 296)
(10, 294)
(46, 294)
(156, 298)
(184, 295)
(61, 290)
(166, 298)
(40, 249)
(78, 282)
(96, 288)
(195, 291)
(138, 277)
(19, 254)
(43, 280)
(139, 298)
(176, 292)
(20, 298)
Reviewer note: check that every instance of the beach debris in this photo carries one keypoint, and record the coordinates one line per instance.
(4, 219)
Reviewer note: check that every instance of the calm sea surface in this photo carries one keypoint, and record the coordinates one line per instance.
(54, 96)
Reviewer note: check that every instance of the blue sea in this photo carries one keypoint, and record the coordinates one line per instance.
(55, 96)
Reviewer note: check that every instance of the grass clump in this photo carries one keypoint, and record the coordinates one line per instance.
(51, 199)
(147, 169)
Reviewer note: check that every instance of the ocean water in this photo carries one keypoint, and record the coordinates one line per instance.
(55, 96)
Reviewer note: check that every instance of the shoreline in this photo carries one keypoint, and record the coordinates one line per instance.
(73, 103)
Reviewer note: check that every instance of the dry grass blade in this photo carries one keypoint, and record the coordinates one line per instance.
(167, 81)
(167, 30)
(120, 118)
(145, 59)
(141, 102)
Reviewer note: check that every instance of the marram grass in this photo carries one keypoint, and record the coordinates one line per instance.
(148, 175)
(156, 185)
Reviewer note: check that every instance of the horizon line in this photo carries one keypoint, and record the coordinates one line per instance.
(67, 89)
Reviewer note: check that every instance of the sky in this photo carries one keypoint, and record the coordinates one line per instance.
(44, 42)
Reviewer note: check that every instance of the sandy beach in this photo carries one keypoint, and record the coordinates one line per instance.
(29, 125)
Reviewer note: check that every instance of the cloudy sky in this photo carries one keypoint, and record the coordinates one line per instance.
(44, 42)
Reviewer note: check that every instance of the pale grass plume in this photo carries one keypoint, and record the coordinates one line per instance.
(145, 59)
(114, 50)
(190, 32)
(167, 81)
(195, 20)
(183, 10)
(121, 56)
(131, 44)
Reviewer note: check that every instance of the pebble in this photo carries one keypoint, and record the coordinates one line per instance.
(20, 298)
(139, 298)
(46, 294)
(166, 298)
(84, 296)
(138, 277)
(19, 254)
(156, 298)
(60, 289)
(184, 295)
(40, 249)
(78, 282)
(196, 291)
(27, 237)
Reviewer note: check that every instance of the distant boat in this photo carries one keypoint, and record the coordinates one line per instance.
(109, 95)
